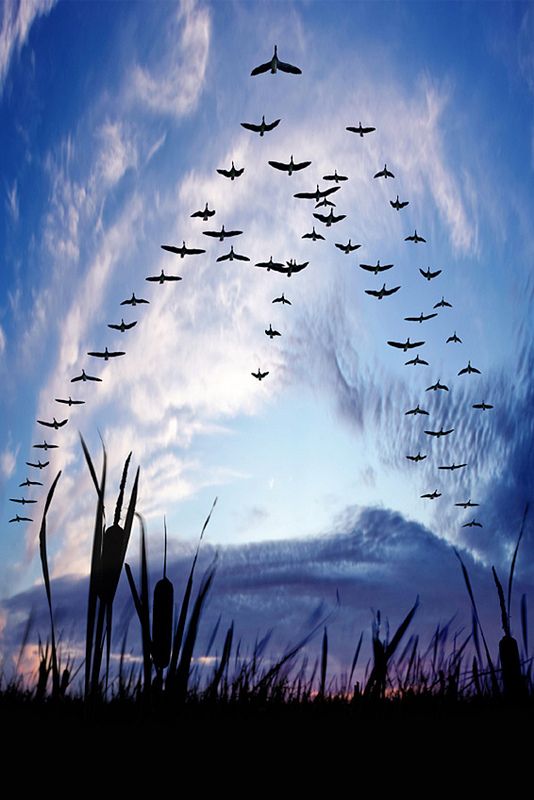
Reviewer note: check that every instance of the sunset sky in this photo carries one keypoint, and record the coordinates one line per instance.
(114, 118)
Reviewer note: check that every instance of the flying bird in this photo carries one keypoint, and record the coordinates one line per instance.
(418, 457)
(45, 446)
(376, 269)
(270, 333)
(221, 235)
(335, 177)
(262, 127)
(39, 464)
(259, 375)
(231, 256)
(274, 65)
(453, 338)
(292, 267)
(482, 406)
(124, 326)
(16, 518)
(291, 167)
(407, 345)
(134, 301)
(383, 292)
(467, 504)
(183, 250)
(473, 524)
(469, 369)
(348, 248)
(70, 401)
(28, 482)
(415, 361)
(270, 265)
(384, 173)
(432, 495)
(436, 386)
(414, 238)
(421, 318)
(360, 130)
(107, 354)
(55, 424)
(453, 466)
(205, 214)
(328, 220)
(313, 235)
(416, 411)
(325, 203)
(398, 204)
(231, 173)
(443, 304)
(162, 278)
(318, 194)
(84, 377)
(282, 300)
(21, 500)
(440, 433)
(428, 274)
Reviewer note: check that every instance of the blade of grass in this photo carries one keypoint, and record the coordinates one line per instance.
(46, 577)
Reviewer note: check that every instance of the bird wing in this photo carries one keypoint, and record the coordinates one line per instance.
(429, 316)
(463, 371)
(390, 174)
(171, 248)
(401, 345)
(48, 424)
(215, 234)
(368, 267)
(225, 172)
(388, 292)
(251, 127)
(338, 218)
(412, 319)
(116, 353)
(373, 292)
(301, 165)
(414, 344)
(409, 239)
(193, 251)
(320, 217)
(239, 257)
(262, 68)
(279, 165)
(238, 172)
(269, 126)
(226, 257)
(289, 68)
(232, 233)
(380, 174)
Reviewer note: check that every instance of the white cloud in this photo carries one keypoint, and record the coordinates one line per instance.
(2, 341)
(18, 17)
(118, 152)
(8, 462)
(12, 201)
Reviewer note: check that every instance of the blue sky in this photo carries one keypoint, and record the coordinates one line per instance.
(114, 118)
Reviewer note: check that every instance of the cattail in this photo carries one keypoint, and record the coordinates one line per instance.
(512, 678)
(112, 555)
(162, 613)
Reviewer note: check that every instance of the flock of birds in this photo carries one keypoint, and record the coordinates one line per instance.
(322, 199)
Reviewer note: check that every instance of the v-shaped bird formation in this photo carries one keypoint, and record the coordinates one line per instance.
(437, 429)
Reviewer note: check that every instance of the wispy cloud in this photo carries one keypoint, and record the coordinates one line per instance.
(8, 461)
(18, 17)
(12, 201)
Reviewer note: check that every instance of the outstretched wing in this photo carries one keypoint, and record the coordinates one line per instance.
(251, 127)
(300, 165)
(284, 67)
(262, 68)
(321, 217)
(400, 345)
(279, 165)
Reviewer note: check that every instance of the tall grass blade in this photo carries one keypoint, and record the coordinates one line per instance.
(524, 624)
(184, 667)
(324, 662)
(46, 577)
(514, 557)
(355, 658)
(505, 622)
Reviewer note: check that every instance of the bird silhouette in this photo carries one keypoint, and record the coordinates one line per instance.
(347, 248)
(407, 345)
(384, 173)
(54, 424)
(432, 495)
(415, 361)
(335, 177)
(361, 131)
(38, 465)
(28, 482)
(259, 375)
(274, 65)
(84, 377)
(231, 173)
(452, 467)
(331, 218)
(415, 238)
(376, 268)
(106, 354)
(443, 304)
(469, 369)
(436, 386)
(453, 338)
(70, 401)
(270, 332)
(16, 518)
(290, 167)
(183, 250)
(482, 406)
(22, 500)
(292, 267)
(231, 256)
(416, 411)
(383, 292)
(134, 301)
(222, 234)
(428, 274)
(205, 214)
(162, 278)
(418, 457)
(124, 326)
(318, 194)
(398, 204)
(473, 524)
(282, 300)
(45, 446)
(325, 203)
(421, 318)
(313, 235)
(262, 127)
(440, 433)
(277, 266)
(467, 504)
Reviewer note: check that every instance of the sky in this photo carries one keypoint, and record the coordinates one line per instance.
(114, 118)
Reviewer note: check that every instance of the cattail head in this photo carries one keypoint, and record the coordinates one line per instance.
(162, 613)
(112, 556)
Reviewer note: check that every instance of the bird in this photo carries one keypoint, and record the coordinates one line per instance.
(232, 255)
(124, 326)
(482, 406)
(443, 304)
(428, 274)
(421, 318)
(134, 301)
(55, 424)
(383, 292)
(376, 269)
(45, 446)
(416, 360)
(262, 127)
(162, 278)
(416, 411)
(221, 235)
(183, 250)
(39, 464)
(472, 524)
(398, 204)
(335, 177)
(467, 504)
(440, 433)
(107, 354)
(325, 203)
(414, 238)
(282, 300)
(469, 369)
(84, 377)
(277, 266)
(231, 173)
(313, 235)
(28, 482)
(205, 214)
(437, 385)
(432, 495)
(292, 267)
(318, 194)
(418, 457)
(328, 220)
(453, 338)
(291, 167)
(274, 65)
(407, 345)
(21, 500)
(16, 518)
(347, 248)
(70, 401)
(453, 466)
(384, 173)
(259, 375)
(360, 130)
(270, 333)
